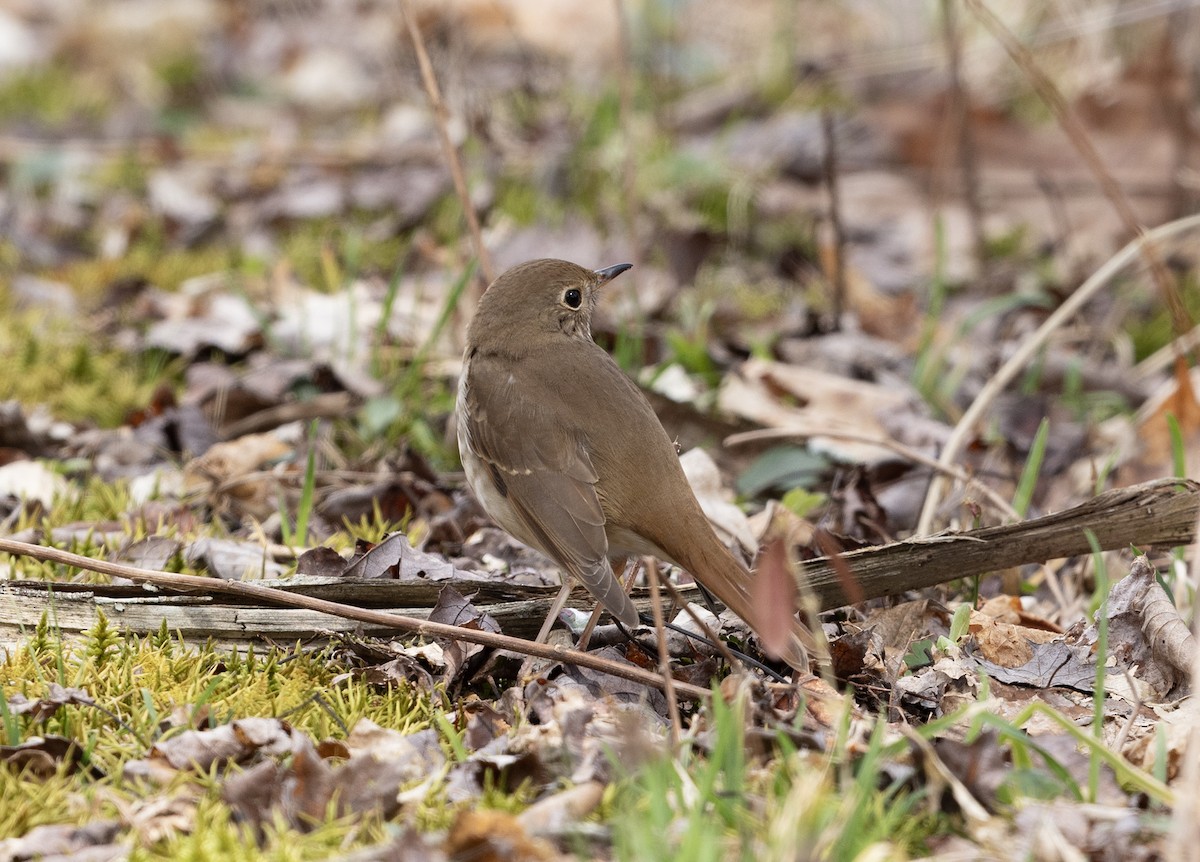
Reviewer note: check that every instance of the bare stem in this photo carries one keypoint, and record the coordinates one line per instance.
(1025, 353)
(664, 657)
(442, 120)
(961, 110)
(829, 170)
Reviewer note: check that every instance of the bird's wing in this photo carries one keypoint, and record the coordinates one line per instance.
(539, 464)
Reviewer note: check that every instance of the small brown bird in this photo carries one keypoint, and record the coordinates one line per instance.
(566, 454)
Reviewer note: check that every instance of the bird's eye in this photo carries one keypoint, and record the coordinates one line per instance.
(573, 297)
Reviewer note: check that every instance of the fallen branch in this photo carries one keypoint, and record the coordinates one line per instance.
(270, 595)
(1161, 513)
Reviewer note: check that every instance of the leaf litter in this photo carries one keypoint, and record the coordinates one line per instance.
(257, 325)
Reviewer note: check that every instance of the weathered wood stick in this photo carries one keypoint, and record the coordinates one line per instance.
(1161, 513)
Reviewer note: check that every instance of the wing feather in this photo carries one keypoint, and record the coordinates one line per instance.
(548, 477)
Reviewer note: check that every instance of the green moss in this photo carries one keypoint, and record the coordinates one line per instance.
(53, 95)
(521, 202)
(137, 682)
(146, 258)
(57, 364)
(127, 172)
(327, 252)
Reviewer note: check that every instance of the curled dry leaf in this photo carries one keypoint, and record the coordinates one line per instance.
(558, 813)
(233, 560)
(396, 558)
(943, 687)
(773, 593)
(43, 756)
(303, 789)
(495, 836)
(1147, 634)
(200, 750)
(56, 697)
(1054, 664)
(414, 754)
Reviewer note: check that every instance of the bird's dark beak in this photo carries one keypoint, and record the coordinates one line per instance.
(607, 274)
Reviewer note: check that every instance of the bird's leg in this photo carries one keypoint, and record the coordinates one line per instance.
(631, 567)
(560, 602)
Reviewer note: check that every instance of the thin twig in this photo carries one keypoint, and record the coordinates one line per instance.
(1069, 123)
(442, 120)
(629, 208)
(829, 171)
(664, 657)
(961, 116)
(709, 635)
(1163, 358)
(412, 625)
(1017, 362)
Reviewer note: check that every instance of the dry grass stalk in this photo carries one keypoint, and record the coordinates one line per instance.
(442, 121)
(961, 116)
(664, 657)
(1029, 349)
(829, 172)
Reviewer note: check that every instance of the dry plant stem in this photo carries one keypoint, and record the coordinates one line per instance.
(441, 120)
(1002, 505)
(1018, 361)
(1180, 318)
(560, 602)
(629, 209)
(829, 170)
(257, 593)
(1054, 584)
(961, 110)
(664, 657)
(1185, 818)
(1135, 713)
(324, 406)
(705, 630)
(1163, 358)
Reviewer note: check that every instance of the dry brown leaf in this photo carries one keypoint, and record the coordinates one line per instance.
(773, 597)
(228, 473)
(821, 403)
(558, 812)
(495, 836)
(1177, 397)
(1147, 634)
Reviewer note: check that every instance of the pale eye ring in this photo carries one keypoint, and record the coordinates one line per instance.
(573, 297)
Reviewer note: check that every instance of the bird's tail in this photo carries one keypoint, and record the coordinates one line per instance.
(727, 579)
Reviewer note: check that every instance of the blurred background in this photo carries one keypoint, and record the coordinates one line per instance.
(879, 190)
